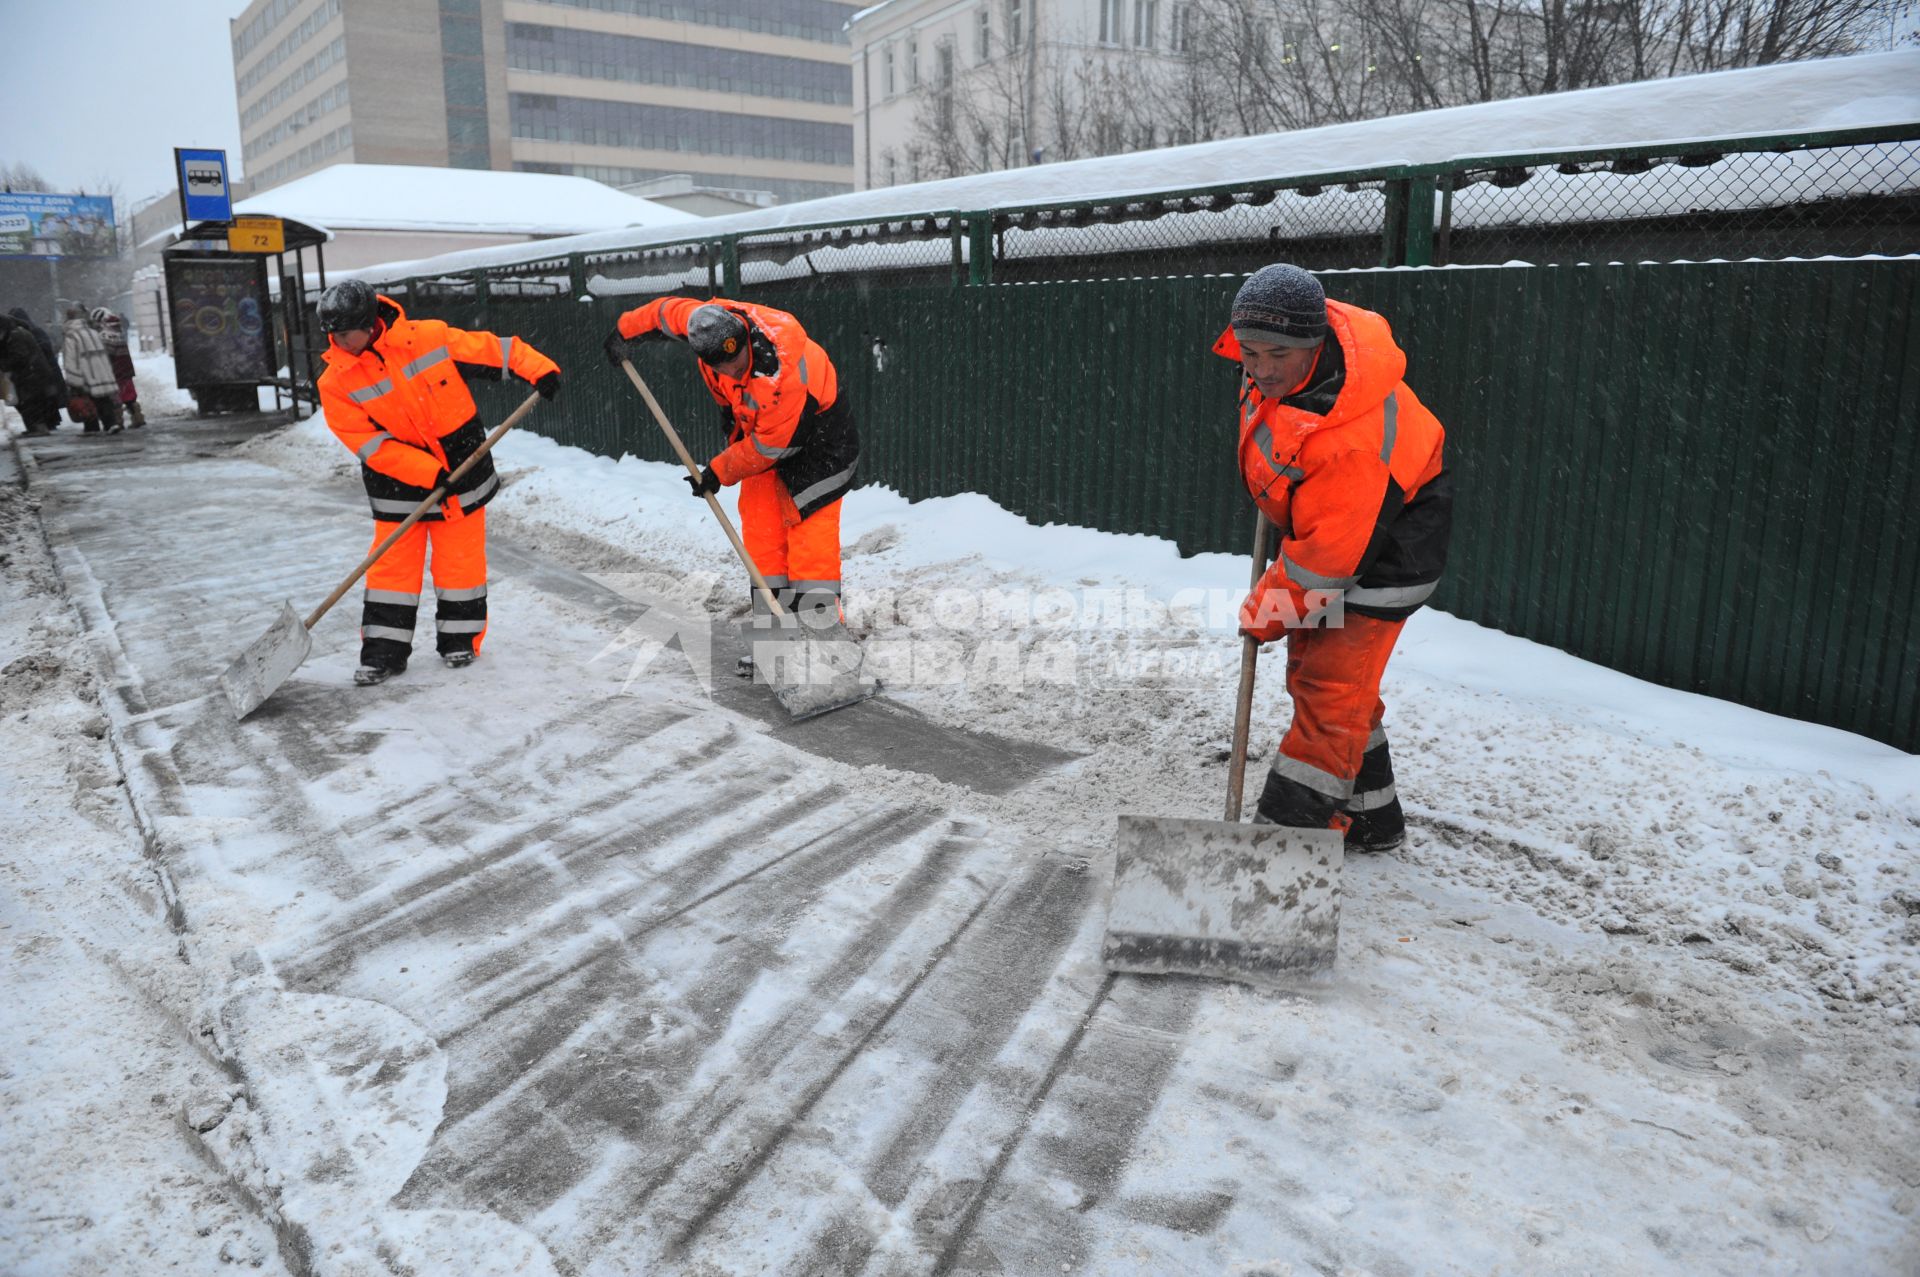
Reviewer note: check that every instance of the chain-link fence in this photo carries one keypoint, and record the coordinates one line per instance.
(1827, 201)
(1844, 193)
(927, 248)
(1764, 198)
(1323, 224)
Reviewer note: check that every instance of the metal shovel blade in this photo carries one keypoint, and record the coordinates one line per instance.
(267, 662)
(1249, 902)
(813, 668)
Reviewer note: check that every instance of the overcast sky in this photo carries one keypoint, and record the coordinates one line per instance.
(103, 90)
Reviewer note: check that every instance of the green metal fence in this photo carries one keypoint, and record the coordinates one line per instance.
(1706, 475)
(1703, 474)
(1838, 193)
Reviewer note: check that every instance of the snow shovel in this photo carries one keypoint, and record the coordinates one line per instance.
(273, 657)
(811, 662)
(1255, 903)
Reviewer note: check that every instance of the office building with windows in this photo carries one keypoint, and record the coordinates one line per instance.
(324, 82)
(743, 94)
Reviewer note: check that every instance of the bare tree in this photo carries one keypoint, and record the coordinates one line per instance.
(976, 122)
(22, 177)
(1260, 66)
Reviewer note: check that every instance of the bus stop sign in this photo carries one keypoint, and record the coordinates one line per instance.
(204, 193)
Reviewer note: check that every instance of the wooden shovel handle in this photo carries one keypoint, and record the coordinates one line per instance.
(420, 511)
(1249, 658)
(713, 502)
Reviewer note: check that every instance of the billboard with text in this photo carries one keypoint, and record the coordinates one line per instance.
(36, 224)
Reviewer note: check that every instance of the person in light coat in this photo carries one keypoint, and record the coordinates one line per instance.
(89, 371)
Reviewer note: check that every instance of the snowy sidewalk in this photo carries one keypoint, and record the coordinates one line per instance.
(543, 964)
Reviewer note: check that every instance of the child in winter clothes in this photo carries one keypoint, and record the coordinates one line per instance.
(114, 330)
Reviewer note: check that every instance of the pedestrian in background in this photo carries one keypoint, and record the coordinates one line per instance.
(114, 329)
(36, 386)
(20, 316)
(89, 373)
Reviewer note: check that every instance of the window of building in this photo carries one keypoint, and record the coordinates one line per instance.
(887, 77)
(983, 34)
(1182, 28)
(819, 20)
(646, 127)
(1110, 21)
(1146, 20)
(464, 77)
(1016, 23)
(943, 64)
(636, 59)
(913, 62)
(1291, 36)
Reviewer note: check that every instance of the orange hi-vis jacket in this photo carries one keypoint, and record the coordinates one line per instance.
(402, 406)
(1348, 466)
(785, 414)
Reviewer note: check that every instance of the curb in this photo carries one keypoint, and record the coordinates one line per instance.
(120, 690)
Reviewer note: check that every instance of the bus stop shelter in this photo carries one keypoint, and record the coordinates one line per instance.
(238, 314)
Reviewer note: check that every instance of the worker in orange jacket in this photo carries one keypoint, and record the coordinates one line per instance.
(395, 394)
(791, 442)
(1347, 464)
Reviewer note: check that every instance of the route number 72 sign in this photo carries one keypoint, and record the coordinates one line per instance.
(257, 235)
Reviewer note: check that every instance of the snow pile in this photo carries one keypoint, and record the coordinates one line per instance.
(155, 381)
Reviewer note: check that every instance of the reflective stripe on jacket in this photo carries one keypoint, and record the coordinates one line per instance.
(1359, 492)
(786, 413)
(402, 406)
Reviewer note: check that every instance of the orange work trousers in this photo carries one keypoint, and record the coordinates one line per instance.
(800, 558)
(392, 601)
(1333, 676)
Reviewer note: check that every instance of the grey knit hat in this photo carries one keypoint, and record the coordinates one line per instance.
(716, 333)
(1281, 304)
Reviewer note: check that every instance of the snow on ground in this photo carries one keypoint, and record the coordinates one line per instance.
(1722, 903)
(154, 380)
(1640, 995)
(1776, 847)
(96, 1073)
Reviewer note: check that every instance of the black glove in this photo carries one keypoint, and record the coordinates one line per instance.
(706, 485)
(444, 481)
(548, 386)
(616, 348)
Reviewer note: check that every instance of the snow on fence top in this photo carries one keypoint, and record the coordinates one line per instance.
(1870, 90)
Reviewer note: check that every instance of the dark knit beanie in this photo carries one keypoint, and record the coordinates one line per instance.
(1281, 304)
(716, 333)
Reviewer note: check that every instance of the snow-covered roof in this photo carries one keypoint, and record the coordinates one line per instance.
(1794, 97)
(408, 197)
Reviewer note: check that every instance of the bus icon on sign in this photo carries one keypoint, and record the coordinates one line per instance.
(203, 176)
